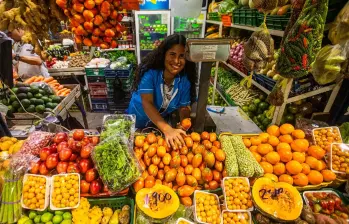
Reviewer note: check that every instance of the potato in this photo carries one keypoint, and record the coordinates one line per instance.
(323, 219)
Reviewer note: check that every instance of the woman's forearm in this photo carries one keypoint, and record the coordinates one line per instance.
(32, 60)
(155, 116)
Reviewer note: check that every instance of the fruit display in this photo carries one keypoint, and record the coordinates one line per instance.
(327, 203)
(55, 217)
(117, 125)
(58, 52)
(233, 217)
(101, 214)
(207, 209)
(57, 88)
(258, 110)
(339, 158)
(65, 191)
(237, 195)
(218, 100)
(8, 146)
(79, 60)
(269, 69)
(279, 200)
(324, 137)
(95, 23)
(197, 164)
(235, 55)
(149, 45)
(285, 156)
(157, 202)
(35, 192)
(33, 97)
(239, 161)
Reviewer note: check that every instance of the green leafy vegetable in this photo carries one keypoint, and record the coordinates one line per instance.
(344, 129)
(117, 126)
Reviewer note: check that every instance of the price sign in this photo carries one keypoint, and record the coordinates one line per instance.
(226, 20)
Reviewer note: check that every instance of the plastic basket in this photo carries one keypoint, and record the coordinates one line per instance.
(114, 203)
(343, 148)
(327, 148)
(126, 83)
(94, 71)
(111, 73)
(203, 192)
(98, 89)
(52, 206)
(47, 190)
(246, 16)
(225, 201)
(226, 211)
(99, 104)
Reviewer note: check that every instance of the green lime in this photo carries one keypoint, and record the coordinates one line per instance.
(67, 216)
(57, 219)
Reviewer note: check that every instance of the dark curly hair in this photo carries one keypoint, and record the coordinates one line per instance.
(156, 60)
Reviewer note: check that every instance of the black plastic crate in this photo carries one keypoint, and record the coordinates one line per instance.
(275, 22)
(246, 16)
(111, 73)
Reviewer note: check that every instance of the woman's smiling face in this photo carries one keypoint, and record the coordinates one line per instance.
(175, 59)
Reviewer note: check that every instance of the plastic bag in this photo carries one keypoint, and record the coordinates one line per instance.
(339, 29)
(116, 163)
(276, 97)
(11, 209)
(120, 124)
(327, 64)
(226, 7)
(307, 125)
(264, 5)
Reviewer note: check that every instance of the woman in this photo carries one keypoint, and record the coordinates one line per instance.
(164, 83)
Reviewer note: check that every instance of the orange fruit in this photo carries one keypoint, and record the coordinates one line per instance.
(300, 145)
(283, 146)
(306, 168)
(267, 167)
(321, 165)
(298, 156)
(286, 138)
(247, 142)
(286, 178)
(286, 129)
(257, 156)
(300, 180)
(273, 140)
(315, 177)
(271, 176)
(264, 137)
(264, 149)
(316, 151)
(279, 169)
(253, 148)
(273, 130)
(255, 141)
(312, 162)
(328, 175)
(272, 157)
(294, 167)
(285, 155)
(298, 134)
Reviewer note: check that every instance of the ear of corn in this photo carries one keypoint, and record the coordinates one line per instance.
(231, 163)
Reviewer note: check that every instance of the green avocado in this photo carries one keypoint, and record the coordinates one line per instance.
(25, 103)
(49, 105)
(5, 102)
(23, 89)
(22, 96)
(13, 98)
(14, 89)
(38, 95)
(34, 89)
(20, 110)
(40, 109)
(33, 100)
(42, 92)
(11, 109)
(45, 99)
(56, 99)
(54, 105)
(16, 105)
(30, 95)
(39, 102)
(263, 105)
(30, 109)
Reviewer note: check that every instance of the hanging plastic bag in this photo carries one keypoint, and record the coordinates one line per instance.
(276, 97)
(339, 29)
(226, 7)
(327, 64)
(264, 5)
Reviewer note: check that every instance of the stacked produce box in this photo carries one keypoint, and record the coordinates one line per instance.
(98, 89)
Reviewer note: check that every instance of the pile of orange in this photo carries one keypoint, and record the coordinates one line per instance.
(286, 156)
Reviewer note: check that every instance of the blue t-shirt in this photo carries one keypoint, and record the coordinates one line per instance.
(152, 83)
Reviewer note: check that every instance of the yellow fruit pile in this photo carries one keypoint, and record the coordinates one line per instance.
(34, 192)
(286, 156)
(10, 144)
(237, 194)
(236, 217)
(324, 137)
(66, 191)
(207, 208)
(340, 158)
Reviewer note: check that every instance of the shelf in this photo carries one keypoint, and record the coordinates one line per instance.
(311, 93)
(221, 95)
(279, 33)
(243, 75)
(118, 49)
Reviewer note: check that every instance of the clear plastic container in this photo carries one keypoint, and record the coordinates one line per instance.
(195, 208)
(74, 197)
(124, 169)
(339, 154)
(239, 214)
(45, 187)
(225, 196)
(328, 135)
(181, 220)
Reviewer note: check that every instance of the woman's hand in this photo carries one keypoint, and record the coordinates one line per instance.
(174, 137)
